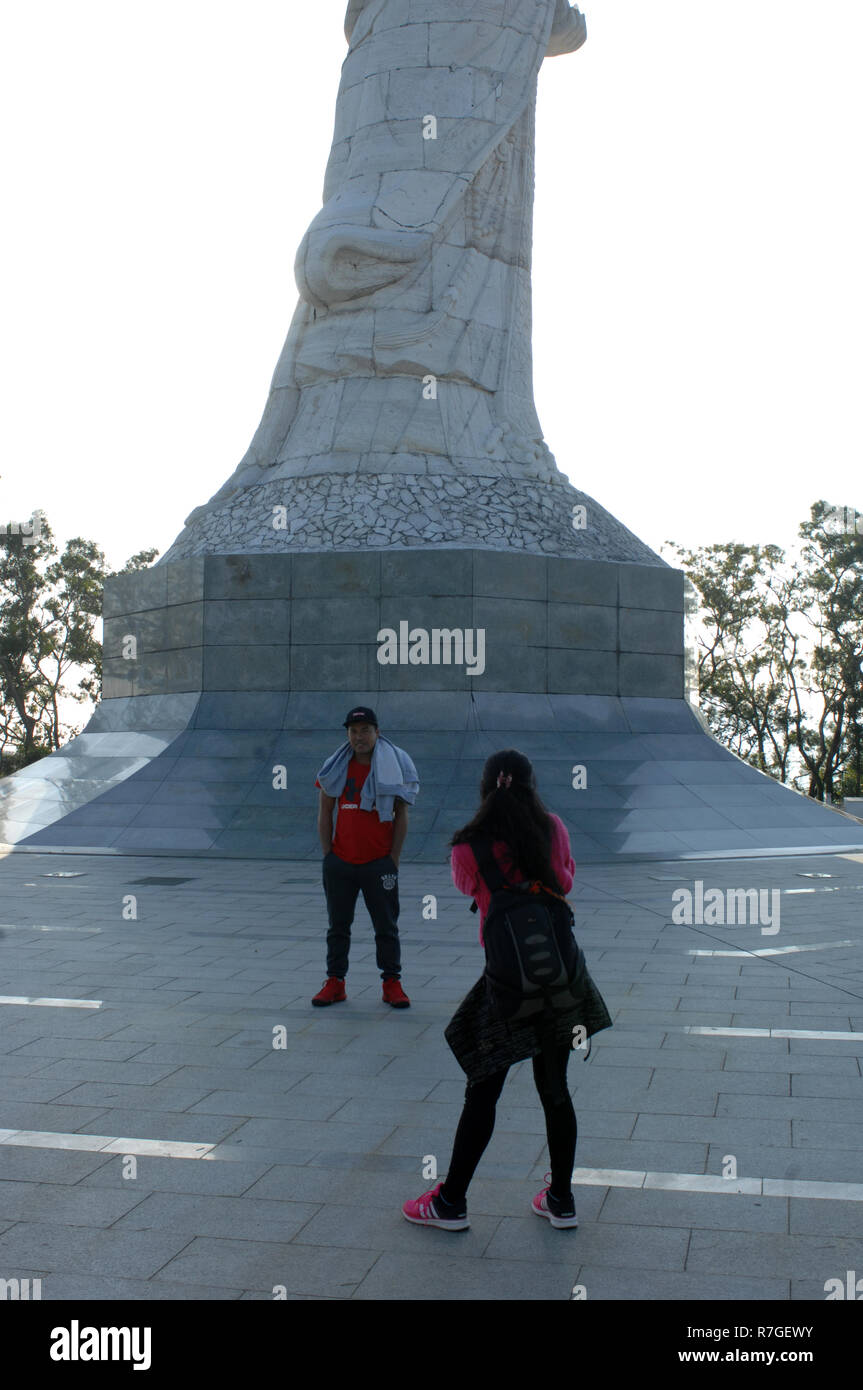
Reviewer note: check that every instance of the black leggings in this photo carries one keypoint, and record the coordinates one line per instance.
(476, 1127)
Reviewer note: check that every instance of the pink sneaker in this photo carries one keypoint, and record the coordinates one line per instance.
(422, 1213)
(558, 1213)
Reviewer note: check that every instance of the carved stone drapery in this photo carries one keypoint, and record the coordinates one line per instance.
(409, 355)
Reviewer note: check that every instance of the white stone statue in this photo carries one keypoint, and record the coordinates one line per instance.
(409, 355)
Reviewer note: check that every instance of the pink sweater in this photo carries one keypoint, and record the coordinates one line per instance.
(467, 878)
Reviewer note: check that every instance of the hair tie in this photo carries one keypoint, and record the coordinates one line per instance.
(504, 779)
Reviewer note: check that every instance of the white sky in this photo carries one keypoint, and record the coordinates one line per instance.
(698, 277)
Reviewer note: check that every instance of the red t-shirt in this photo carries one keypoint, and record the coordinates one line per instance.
(360, 835)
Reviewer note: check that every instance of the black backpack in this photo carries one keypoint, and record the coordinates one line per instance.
(534, 965)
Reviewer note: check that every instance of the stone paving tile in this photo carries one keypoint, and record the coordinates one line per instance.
(666, 1058)
(784, 1107)
(288, 1298)
(713, 1131)
(31, 1088)
(259, 1105)
(83, 1288)
(244, 1217)
(160, 1097)
(592, 1073)
(695, 1210)
(813, 1065)
(76, 1248)
(822, 1015)
(213, 1078)
(315, 1184)
(55, 1204)
(370, 1087)
(823, 1217)
(105, 1050)
(818, 1165)
(836, 1087)
(387, 1068)
(820, 1256)
(824, 1135)
(161, 1124)
(82, 1069)
(372, 1162)
(606, 1244)
(35, 1115)
(202, 1033)
(54, 1023)
(666, 1285)
(47, 1165)
(434, 1277)
(826, 1047)
(264, 1265)
(196, 1054)
(619, 1094)
(304, 1045)
(809, 1290)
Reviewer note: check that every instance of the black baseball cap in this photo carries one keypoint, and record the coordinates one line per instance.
(362, 715)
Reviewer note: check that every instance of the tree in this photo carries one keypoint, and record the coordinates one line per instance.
(832, 587)
(781, 649)
(741, 670)
(49, 605)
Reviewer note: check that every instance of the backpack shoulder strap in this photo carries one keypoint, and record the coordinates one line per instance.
(487, 863)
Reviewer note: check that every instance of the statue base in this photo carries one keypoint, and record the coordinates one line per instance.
(227, 679)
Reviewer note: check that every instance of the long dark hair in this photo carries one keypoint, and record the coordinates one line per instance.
(510, 810)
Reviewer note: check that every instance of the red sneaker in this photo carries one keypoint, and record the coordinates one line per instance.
(395, 995)
(333, 992)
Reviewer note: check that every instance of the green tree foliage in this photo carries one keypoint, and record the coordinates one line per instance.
(780, 651)
(49, 605)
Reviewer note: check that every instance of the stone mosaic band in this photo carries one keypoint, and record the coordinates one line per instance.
(384, 509)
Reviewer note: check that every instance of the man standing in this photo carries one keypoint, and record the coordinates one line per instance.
(373, 783)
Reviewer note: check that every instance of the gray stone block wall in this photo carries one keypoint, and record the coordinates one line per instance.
(309, 622)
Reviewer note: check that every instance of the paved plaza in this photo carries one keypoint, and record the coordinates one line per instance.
(176, 1121)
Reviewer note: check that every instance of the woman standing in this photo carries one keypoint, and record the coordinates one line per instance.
(529, 844)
